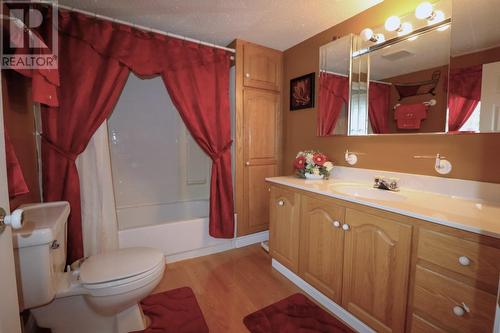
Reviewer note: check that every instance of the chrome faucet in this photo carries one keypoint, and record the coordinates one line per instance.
(389, 184)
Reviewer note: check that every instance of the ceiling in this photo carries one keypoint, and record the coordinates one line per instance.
(279, 24)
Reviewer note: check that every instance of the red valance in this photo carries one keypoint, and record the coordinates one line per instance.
(466, 82)
(464, 95)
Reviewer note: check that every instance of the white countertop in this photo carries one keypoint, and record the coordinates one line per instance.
(475, 215)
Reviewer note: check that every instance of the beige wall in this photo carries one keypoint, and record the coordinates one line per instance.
(474, 156)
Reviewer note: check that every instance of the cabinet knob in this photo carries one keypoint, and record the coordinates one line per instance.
(336, 224)
(345, 227)
(281, 203)
(458, 311)
(247, 75)
(247, 163)
(464, 261)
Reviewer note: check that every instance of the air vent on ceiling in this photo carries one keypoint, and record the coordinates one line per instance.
(397, 55)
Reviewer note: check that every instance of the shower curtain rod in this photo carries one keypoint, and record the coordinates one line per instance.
(141, 27)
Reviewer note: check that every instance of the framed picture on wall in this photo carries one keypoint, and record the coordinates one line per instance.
(302, 92)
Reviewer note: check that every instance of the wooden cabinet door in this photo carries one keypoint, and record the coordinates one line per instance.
(376, 268)
(284, 228)
(261, 132)
(322, 245)
(261, 67)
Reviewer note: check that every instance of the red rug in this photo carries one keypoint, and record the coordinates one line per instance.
(294, 314)
(173, 311)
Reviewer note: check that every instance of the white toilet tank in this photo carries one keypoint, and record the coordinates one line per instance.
(40, 252)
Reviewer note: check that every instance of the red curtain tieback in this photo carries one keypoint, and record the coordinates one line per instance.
(217, 156)
(67, 155)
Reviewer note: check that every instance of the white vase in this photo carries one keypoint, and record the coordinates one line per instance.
(313, 177)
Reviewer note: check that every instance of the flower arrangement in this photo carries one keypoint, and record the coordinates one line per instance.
(312, 164)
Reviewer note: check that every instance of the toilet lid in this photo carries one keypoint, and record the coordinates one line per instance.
(119, 264)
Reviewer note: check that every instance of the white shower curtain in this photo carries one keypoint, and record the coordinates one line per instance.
(99, 223)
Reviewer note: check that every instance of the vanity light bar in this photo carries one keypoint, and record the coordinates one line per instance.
(424, 11)
(443, 25)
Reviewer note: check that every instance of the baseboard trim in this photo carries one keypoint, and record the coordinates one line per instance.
(200, 252)
(234, 243)
(251, 239)
(333, 307)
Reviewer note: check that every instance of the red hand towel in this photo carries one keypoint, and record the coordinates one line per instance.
(409, 116)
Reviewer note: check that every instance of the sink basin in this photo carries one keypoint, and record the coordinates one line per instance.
(366, 192)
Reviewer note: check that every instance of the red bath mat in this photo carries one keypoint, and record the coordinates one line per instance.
(294, 314)
(173, 311)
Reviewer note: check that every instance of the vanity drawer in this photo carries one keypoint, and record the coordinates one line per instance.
(437, 296)
(477, 261)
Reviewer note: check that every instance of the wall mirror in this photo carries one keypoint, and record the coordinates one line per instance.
(414, 75)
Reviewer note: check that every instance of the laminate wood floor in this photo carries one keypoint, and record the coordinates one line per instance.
(229, 285)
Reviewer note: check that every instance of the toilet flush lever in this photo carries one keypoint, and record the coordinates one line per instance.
(15, 220)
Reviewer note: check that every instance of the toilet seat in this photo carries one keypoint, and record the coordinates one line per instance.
(120, 271)
(124, 285)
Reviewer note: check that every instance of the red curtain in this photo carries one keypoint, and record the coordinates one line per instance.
(379, 98)
(90, 87)
(15, 178)
(207, 118)
(464, 95)
(95, 58)
(333, 93)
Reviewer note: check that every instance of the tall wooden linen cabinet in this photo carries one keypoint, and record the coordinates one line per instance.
(258, 132)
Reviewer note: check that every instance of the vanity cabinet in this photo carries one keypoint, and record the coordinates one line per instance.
(261, 67)
(376, 269)
(284, 216)
(393, 272)
(322, 245)
(355, 258)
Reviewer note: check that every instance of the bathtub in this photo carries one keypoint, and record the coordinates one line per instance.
(184, 239)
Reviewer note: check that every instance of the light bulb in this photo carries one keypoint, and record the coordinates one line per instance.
(392, 23)
(437, 17)
(405, 29)
(366, 34)
(423, 11)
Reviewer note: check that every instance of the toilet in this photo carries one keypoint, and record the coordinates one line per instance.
(98, 294)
